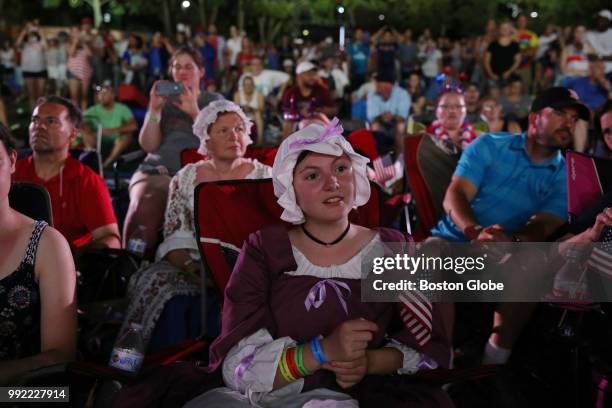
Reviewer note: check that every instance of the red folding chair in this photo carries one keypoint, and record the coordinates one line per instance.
(429, 171)
(189, 156)
(264, 155)
(424, 203)
(227, 212)
(587, 178)
(364, 143)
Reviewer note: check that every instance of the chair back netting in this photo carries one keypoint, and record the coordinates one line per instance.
(265, 155)
(31, 200)
(429, 171)
(226, 212)
(588, 179)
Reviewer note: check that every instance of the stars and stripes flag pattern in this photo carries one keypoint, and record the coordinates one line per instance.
(384, 169)
(601, 256)
(416, 312)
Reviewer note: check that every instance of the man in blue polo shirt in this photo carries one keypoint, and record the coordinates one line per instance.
(509, 188)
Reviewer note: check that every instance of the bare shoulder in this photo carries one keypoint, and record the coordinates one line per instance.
(53, 239)
(53, 251)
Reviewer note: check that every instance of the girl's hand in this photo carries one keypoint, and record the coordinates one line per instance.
(349, 340)
(348, 373)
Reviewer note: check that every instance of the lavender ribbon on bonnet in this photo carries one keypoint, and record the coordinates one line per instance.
(334, 128)
(311, 298)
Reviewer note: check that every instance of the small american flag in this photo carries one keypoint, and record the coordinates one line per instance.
(601, 256)
(416, 312)
(384, 169)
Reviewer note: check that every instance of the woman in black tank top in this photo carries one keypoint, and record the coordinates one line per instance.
(37, 286)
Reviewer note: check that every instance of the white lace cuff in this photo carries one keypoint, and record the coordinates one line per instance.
(413, 360)
(250, 366)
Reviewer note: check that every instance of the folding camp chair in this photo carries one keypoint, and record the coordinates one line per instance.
(31, 200)
(429, 171)
(228, 211)
(364, 143)
(264, 155)
(588, 179)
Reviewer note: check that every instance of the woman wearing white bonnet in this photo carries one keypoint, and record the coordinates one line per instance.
(294, 328)
(223, 129)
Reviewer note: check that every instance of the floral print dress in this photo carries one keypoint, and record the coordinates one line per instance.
(20, 305)
(151, 288)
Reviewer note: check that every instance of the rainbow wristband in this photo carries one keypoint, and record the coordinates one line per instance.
(299, 360)
(317, 351)
(292, 364)
(282, 365)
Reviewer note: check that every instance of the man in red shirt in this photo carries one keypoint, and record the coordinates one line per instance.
(80, 202)
(306, 98)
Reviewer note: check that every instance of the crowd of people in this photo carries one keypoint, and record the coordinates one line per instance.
(500, 109)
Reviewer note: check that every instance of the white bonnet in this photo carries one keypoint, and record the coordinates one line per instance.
(319, 139)
(208, 116)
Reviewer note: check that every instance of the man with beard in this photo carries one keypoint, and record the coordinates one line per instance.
(306, 98)
(513, 188)
(80, 202)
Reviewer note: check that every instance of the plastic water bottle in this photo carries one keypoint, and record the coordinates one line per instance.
(570, 282)
(128, 352)
(136, 244)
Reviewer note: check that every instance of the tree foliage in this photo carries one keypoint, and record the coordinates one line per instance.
(266, 19)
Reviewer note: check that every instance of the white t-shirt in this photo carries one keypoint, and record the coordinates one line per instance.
(269, 79)
(432, 63)
(235, 46)
(33, 57)
(340, 79)
(602, 44)
(7, 58)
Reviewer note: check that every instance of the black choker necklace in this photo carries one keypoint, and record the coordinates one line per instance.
(318, 241)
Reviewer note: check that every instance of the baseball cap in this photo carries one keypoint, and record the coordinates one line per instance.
(605, 13)
(560, 97)
(304, 66)
(105, 84)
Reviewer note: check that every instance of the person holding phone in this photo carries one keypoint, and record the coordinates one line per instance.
(167, 130)
(33, 63)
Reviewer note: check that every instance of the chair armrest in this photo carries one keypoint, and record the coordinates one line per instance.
(128, 158)
(38, 375)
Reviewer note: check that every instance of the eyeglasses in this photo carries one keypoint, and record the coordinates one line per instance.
(49, 121)
(225, 132)
(188, 67)
(451, 107)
